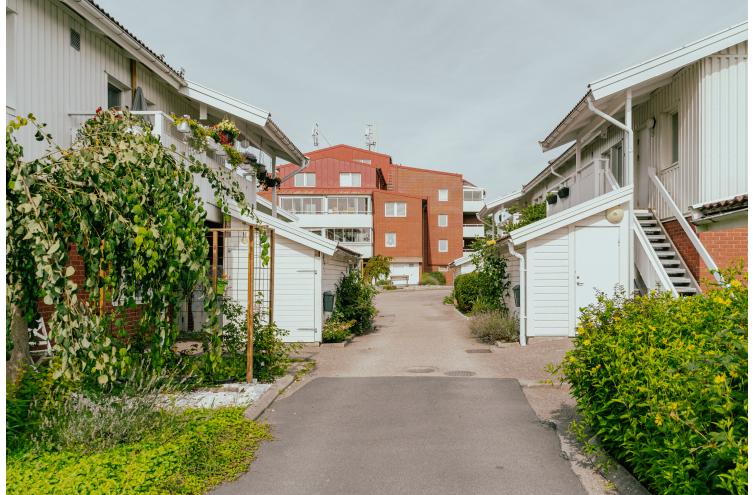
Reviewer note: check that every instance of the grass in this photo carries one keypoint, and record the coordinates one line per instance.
(199, 450)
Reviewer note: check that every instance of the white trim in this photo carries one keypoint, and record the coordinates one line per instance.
(439, 195)
(460, 261)
(280, 211)
(571, 215)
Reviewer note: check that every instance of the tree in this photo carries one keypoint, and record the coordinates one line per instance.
(130, 207)
(376, 268)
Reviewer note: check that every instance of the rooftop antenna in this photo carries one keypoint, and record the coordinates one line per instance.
(315, 135)
(370, 136)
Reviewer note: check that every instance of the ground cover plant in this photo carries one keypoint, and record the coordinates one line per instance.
(493, 326)
(661, 384)
(336, 331)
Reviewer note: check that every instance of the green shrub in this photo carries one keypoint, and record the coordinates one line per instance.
(336, 331)
(526, 215)
(23, 405)
(493, 326)
(492, 276)
(354, 301)
(466, 291)
(439, 276)
(190, 454)
(662, 384)
(428, 279)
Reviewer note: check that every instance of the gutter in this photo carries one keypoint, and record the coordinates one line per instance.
(522, 289)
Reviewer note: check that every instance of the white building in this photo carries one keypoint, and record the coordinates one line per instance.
(658, 159)
(473, 202)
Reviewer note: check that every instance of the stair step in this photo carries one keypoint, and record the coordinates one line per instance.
(680, 280)
(661, 245)
(653, 230)
(656, 237)
(666, 254)
(641, 214)
(686, 291)
(675, 271)
(670, 262)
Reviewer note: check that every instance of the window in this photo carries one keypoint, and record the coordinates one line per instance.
(305, 180)
(114, 94)
(299, 204)
(615, 155)
(442, 194)
(442, 245)
(442, 220)
(363, 235)
(472, 195)
(394, 209)
(350, 179)
(390, 240)
(75, 40)
(674, 138)
(348, 204)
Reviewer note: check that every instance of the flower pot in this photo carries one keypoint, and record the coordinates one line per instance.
(211, 144)
(552, 199)
(183, 127)
(563, 192)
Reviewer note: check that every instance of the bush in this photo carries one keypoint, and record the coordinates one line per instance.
(492, 275)
(526, 215)
(354, 301)
(493, 326)
(466, 291)
(377, 268)
(336, 331)
(661, 383)
(433, 278)
(190, 454)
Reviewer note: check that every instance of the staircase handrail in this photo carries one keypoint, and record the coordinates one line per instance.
(653, 258)
(665, 195)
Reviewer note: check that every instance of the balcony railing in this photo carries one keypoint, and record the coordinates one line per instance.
(163, 126)
(586, 183)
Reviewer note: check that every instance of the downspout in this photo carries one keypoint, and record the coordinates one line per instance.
(522, 292)
(629, 147)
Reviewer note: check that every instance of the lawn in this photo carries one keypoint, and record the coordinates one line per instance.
(199, 450)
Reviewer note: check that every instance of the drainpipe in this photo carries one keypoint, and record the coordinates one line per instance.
(629, 150)
(522, 289)
(275, 188)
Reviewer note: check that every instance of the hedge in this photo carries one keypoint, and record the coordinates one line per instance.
(466, 291)
(661, 383)
(433, 278)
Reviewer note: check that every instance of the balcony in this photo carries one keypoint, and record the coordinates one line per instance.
(162, 126)
(473, 230)
(592, 180)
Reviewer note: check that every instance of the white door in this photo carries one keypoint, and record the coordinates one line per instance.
(597, 262)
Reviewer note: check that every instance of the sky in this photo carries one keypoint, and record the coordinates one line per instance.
(461, 86)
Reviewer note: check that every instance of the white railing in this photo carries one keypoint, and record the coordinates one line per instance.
(649, 264)
(586, 183)
(671, 179)
(676, 212)
(163, 126)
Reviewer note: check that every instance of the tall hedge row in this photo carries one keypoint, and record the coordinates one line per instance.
(662, 384)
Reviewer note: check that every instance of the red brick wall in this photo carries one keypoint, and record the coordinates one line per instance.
(408, 229)
(727, 247)
(327, 171)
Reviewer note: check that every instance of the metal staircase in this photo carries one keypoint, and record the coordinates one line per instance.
(677, 271)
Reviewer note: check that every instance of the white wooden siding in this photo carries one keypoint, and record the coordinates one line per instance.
(296, 290)
(723, 130)
(514, 276)
(548, 284)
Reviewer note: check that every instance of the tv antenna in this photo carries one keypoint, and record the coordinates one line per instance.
(370, 136)
(315, 135)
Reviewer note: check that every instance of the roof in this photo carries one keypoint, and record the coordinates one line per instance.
(356, 148)
(498, 204)
(608, 92)
(725, 205)
(100, 18)
(466, 258)
(264, 133)
(398, 166)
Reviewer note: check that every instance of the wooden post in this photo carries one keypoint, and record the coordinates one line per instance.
(272, 274)
(214, 260)
(250, 310)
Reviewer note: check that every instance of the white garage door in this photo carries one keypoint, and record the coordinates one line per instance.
(405, 273)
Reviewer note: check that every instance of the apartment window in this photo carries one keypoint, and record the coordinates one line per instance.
(305, 180)
(363, 235)
(302, 204)
(472, 195)
(390, 240)
(442, 220)
(674, 138)
(348, 204)
(395, 209)
(114, 95)
(442, 245)
(350, 179)
(615, 156)
(442, 194)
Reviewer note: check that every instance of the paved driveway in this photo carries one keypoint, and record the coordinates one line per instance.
(367, 423)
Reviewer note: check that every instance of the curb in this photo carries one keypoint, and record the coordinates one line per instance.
(260, 406)
(337, 344)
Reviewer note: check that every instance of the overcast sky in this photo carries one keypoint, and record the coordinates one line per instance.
(461, 86)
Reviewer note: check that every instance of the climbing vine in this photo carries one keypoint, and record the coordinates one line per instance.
(129, 207)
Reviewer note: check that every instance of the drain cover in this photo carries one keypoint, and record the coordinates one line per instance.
(459, 373)
(478, 351)
(421, 369)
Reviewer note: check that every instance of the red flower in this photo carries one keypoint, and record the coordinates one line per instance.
(99, 110)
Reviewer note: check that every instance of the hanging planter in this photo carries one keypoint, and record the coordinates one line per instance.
(563, 192)
(552, 198)
(183, 124)
(225, 132)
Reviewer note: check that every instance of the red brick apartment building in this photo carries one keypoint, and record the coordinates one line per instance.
(375, 206)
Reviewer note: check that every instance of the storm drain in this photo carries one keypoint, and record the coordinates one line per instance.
(478, 351)
(459, 373)
(421, 369)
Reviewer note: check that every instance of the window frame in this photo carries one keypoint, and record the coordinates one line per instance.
(439, 245)
(395, 209)
(440, 195)
(440, 216)
(304, 176)
(394, 237)
(350, 176)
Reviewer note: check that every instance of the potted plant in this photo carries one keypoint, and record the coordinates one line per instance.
(225, 132)
(552, 198)
(563, 192)
(182, 124)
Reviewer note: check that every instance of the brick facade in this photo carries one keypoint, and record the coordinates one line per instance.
(409, 231)
(726, 246)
